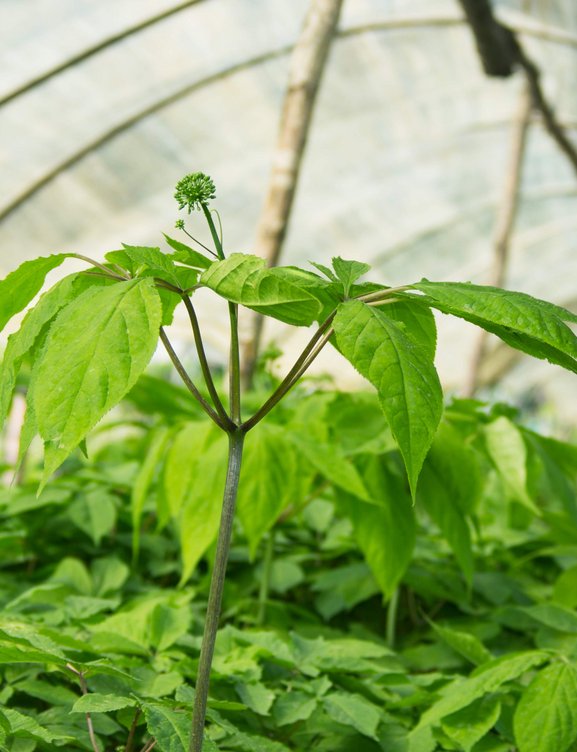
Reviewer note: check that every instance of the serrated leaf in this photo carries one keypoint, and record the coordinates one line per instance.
(466, 727)
(187, 255)
(546, 717)
(267, 481)
(278, 292)
(21, 285)
(403, 373)
(155, 260)
(384, 529)
(464, 643)
(348, 272)
(508, 452)
(95, 702)
(486, 679)
(293, 706)
(170, 728)
(417, 321)
(23, 341)
(329, 274)
(95, 351)
(256, 696)
(353, 710)
(526, 323)
(26, 726)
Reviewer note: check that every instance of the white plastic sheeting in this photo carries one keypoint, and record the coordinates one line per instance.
(405, 161)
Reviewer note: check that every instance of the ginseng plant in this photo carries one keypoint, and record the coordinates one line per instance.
(92, 335)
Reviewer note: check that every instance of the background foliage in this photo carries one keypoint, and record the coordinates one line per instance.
(355, 620)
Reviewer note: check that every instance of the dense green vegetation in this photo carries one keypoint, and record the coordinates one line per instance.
(475, 650)
(402, 577)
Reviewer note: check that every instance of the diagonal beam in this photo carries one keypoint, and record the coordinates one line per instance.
(88, 52)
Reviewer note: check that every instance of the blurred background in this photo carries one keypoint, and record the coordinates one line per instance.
(416, 160)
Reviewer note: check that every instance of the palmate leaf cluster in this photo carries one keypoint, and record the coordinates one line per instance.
(348, 474)
(481, 653)
(92, 335)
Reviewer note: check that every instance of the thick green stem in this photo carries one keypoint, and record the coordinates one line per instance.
(382, 294)
(236, 440)
(234, 365)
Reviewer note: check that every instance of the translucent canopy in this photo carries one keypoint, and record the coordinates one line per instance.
(104, 106)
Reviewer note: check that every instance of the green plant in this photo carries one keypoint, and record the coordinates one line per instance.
(504, 585)
(92, 335)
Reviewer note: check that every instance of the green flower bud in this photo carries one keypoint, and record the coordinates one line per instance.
(194, 190)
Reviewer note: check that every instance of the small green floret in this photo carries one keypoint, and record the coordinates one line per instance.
(179, 224)
(194, 191)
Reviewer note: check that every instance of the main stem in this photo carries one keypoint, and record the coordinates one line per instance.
(236, 440)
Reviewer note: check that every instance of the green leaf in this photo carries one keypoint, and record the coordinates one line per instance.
(157, 261)
(156, 449)
(94, 512)
(23, 342)
(187, 255)
(193, 483)
(330, 461)
(95, 351)
(401, 369)
(276, 292)
(417, 321)
(109, 574)
(546, 717)
(526, 323)
(508, 452)
(21, 285)
(466, 727)
(464, 643)
(168, 624)
(267, 481)
(384, 529)
(449, 488)
(348, 272)
(486, 679)
(256, 696)
(22, 725)
(554, 616)
(353, 710)
(329, 274)
(293, 706)
(151, 621)
(99, 703)
(565, 590)
(170, 728)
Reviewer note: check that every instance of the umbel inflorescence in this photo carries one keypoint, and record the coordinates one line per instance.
(194, 190)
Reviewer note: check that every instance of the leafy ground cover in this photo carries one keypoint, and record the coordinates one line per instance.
(355, 620)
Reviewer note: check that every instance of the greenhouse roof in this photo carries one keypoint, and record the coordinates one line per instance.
(104, 106)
